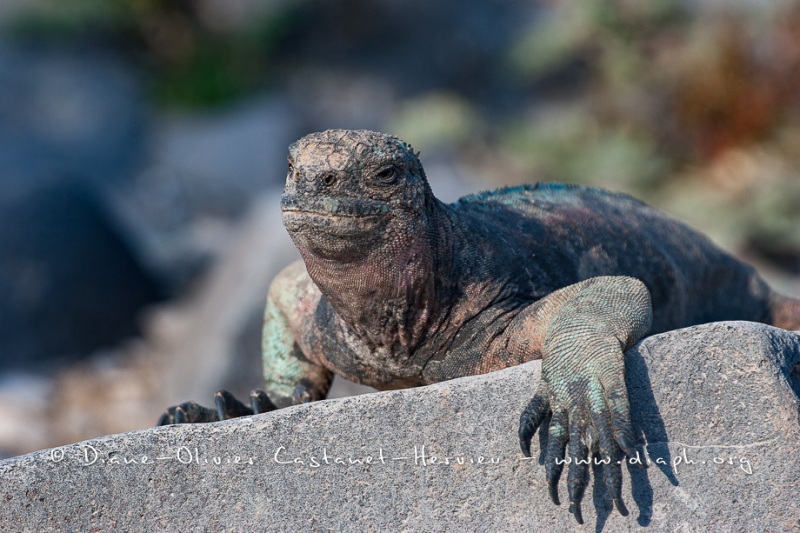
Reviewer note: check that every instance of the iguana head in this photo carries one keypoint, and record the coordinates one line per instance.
(352, 194)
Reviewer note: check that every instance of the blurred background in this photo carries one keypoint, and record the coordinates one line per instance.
(143, 146)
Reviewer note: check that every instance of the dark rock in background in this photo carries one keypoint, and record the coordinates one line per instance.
(71, 126)
(66, 111)
(420, 46)
(68, 282)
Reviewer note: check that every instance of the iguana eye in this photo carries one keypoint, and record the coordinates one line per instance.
(386, 176)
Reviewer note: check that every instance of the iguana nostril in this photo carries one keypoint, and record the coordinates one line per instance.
(328, 179)
(293, 172)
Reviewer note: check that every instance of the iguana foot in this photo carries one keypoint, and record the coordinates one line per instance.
(582, 388)
(226, 406)
(590, 415)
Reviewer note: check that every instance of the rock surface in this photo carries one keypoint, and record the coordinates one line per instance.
(724, 396)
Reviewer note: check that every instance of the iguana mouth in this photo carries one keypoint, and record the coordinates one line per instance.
(335, 225)
(335, 217)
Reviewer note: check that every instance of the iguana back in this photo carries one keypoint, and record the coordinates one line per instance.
(554, 235)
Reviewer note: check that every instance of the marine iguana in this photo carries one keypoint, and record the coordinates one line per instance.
(397, 289)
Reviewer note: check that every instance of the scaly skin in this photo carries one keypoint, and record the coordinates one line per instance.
(396, 289)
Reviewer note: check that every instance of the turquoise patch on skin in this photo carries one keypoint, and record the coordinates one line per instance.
(283, 370)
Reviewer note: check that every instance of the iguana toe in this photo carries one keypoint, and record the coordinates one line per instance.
(260, 402)
(578, 474)
(554, 455)
(302, 394)
(187, 413)
(227, 406)
(607, 455)
(616, 398)
(532, 417)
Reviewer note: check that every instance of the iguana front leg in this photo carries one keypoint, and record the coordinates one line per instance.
(290, 377)
(584, 330)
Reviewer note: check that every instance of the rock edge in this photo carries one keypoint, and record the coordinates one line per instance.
(717, 405)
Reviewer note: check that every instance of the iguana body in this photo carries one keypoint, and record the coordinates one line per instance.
(397, 289)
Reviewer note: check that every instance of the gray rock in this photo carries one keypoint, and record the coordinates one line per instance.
(714, 403)
(202, 175)
(62, 256)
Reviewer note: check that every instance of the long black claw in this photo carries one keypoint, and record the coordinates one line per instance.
(220, 404)
(302, 394)
(625, 445)
(228, 406)
(180, 416)
(575, 509)
(260, 402)
(530, 420)
(620, 507)
(554, 456)
(630, 452)
(525, 440)
(554, 493)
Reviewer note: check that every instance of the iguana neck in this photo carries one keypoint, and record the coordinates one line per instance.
(393, 296)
